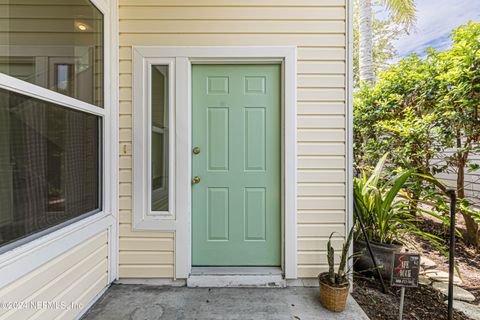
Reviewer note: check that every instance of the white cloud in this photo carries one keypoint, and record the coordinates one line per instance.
(435, 20)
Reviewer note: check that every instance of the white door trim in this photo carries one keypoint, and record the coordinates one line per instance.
(184, 58)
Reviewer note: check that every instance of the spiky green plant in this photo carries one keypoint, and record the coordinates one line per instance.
(386, 216)
(341, 277)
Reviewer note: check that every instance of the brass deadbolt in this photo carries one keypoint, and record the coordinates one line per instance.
(196, 180)
(196, 150)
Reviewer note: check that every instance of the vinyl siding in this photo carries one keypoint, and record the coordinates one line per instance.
(76, 276)
(472, 179)
(318, 29)
(142, 254)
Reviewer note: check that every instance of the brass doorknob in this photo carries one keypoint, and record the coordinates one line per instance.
(196, 180)
(196, 150)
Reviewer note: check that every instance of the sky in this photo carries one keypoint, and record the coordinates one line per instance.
(435, 20)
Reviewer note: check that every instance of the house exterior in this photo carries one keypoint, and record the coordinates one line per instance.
(472, 179)
(168, 142)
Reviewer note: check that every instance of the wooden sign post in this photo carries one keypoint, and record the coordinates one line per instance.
(405, 270)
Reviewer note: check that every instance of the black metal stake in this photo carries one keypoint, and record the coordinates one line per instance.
(369, 247)
(451, 257)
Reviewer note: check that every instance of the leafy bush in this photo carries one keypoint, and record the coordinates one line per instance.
(425, 112)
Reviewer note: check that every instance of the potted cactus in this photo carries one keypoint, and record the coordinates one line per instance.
(334, 286)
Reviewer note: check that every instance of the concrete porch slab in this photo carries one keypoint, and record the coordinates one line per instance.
(143, 302)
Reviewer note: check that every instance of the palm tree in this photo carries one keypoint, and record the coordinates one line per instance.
(401, 10)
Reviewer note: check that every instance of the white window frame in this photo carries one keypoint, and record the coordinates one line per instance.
(28, 256)
(144, 218)
(184, 57)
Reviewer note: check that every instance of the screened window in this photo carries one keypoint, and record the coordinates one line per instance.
(59, 47)
(49, 165)
(50, 147)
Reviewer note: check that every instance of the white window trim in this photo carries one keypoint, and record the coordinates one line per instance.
(31, 90)
(27, 257)
(184, 58)
(143, 217)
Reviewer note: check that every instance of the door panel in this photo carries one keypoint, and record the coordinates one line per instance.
(217, 143)
(237, 203)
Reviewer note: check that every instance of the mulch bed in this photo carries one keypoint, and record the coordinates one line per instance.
(423, 302)
(467, 257)
(420, 303)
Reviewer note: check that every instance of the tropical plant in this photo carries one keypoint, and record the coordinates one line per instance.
(384, 213)
(385, 30)
(425, 113)
(402, 11)
(340, 278)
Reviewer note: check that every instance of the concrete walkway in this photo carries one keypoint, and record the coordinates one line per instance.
(141, 302)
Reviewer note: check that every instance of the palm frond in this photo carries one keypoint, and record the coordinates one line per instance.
(404, 11)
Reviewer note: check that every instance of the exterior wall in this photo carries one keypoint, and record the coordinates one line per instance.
(318, 29)
(76, 276)
(472, 180)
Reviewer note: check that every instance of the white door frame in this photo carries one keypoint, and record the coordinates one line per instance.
(184, 58)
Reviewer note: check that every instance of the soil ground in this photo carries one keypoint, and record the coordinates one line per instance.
(422, 302)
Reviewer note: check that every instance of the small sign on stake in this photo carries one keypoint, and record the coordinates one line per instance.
(405, 270)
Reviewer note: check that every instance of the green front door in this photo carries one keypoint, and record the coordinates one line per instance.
(236, 202)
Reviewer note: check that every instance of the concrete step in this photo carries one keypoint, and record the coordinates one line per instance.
(236, 277)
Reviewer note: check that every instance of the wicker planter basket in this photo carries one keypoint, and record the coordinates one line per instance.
(332, 298)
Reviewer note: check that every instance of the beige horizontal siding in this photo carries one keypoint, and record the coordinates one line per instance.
(320, 216)
(219, 39)
(329, 135)
(318, 244)
(324, 162)
(317, 28)
(326, 81)
(76, 276)
(322, 67)
(320, 189)
(320, 94)
(311, 271)
(145, 258)
(320, 108)
(319, 123)
(313, 230)
(314, 257)
(321, 175)
(320, 149)
(472, 178)
(231, 26)
(146, 271)
(200, 12)
(233, 3)
(143, 254)
(332, 203)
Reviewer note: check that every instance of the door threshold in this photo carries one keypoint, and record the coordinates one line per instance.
(237, 270)
(255, 277)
